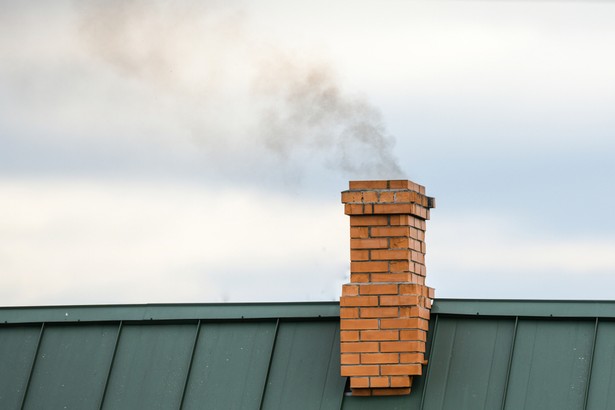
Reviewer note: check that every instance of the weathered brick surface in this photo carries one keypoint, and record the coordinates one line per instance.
(384, 310)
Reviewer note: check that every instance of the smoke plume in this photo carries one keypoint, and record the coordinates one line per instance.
(196, 53)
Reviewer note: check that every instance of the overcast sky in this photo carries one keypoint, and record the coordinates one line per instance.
(157, 151)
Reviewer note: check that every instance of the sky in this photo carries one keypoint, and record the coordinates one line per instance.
(195, 151)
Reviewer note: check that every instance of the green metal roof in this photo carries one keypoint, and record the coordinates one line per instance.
(483, 354)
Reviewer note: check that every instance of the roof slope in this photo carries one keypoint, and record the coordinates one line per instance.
(482, 355)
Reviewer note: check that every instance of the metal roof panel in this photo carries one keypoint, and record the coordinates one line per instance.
(469, 363)
(550, 365)
(304, 371)
(71, 367)
(18, 346)
(230, 365)
(150, 366)
(602, 383)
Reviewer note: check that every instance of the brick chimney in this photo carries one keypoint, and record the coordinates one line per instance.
(384, 310)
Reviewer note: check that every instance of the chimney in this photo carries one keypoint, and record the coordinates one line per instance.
(384, 310)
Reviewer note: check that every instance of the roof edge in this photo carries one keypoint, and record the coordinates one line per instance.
(295, 310)
(525, 307)
(160, 311)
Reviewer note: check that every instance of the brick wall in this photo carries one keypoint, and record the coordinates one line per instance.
(384, 310)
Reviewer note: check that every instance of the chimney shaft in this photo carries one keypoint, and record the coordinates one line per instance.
(384, 310)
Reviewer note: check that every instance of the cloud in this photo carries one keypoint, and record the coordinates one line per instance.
(498, 256)
(104, 241)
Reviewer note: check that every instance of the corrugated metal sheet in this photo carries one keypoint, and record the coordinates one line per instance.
(482, 355)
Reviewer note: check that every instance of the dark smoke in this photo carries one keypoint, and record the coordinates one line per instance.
(301, 112)
(306, 108)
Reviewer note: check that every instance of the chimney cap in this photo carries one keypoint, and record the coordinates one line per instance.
(394, 196)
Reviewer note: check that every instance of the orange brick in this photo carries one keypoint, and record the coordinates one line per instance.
(377, 289)
(414, 233)
(390, 277)
(359, 277)
(360, 370)
(422, 304)
(406, 184)
(375, 184)
(370, 196)
(359, 347)
(349, 301)
(402, 347)
(350, 358)
(387, 196)
(417, 279)
(389, 392)
(356, 209)
(359, 232)
(411, 358)
(423, 313)
(401, 369)
(431, 293)
(390, 231)
(350, 290)
(409, 311)
(368, 184)
(379, 382)
(379, 358)
(349, 336)
(358, 324)
(403, 323)
(402, 266)
(361, 392)
(420, 269)
(362, 267)
(379, 312)
(359, 382)
(370, 243)
(417, 187)
(411, 289)
(349, 313)
(401, 242)
(417, 257)
(423, 324)
(416, 245)
(413, 334)
(427, 303)
(399, 184)
(405, 196)
(369, 220)
(352, 196)
(390, 254)
(395, 208)
(359, 255)
(399, 300)
(420, 234)
(401, 381)
(400, 220)
(379, 335)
